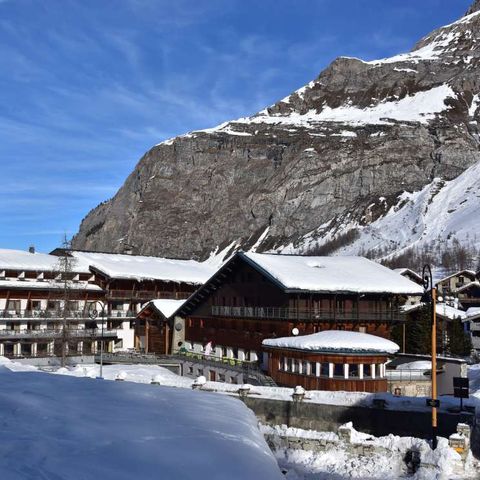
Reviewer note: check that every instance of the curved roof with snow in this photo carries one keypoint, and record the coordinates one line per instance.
(335, 341)
(38, 262)
(137, 267)
(333, 274)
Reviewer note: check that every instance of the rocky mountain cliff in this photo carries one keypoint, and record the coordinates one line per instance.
(339, 153)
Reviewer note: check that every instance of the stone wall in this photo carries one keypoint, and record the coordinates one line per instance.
(375, 421)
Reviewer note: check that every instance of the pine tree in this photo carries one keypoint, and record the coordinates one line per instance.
(459, 342)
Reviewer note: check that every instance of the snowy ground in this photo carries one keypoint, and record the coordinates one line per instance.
(63, 428)
(340, 462)
(147, 373)
(335, 464)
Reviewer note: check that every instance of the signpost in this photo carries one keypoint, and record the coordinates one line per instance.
(460, 389)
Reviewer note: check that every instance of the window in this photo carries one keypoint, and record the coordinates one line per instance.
(324, 369)
(36, 305)
(290, 367)
(353, 370)
(305, 367)
(367, 370)
(338, 370)
(13, 305)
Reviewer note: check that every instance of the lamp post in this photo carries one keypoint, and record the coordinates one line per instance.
(93, 314)
(430, 297)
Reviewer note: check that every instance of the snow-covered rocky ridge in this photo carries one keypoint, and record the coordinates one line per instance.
(438, 213)
(361, 133)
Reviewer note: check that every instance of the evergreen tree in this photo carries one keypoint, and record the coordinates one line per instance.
(418, 332)
(459, 342)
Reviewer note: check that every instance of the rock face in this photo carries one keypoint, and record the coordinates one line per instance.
(302, 167)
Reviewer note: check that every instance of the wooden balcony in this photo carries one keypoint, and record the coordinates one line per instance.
(310, 315)
(144, 295)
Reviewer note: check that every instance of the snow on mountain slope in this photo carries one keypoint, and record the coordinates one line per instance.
(318, 160)
(440, 211)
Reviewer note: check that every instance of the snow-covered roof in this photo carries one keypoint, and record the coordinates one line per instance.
(333, 274)
(442, 310)
(47, 285)
(167, 307)
(472, 311)
(26, 261)
(416, 365)
(408, 271)
(335, 341)
(137, 267)
(467, 286)
(469, 273)
(447, 311)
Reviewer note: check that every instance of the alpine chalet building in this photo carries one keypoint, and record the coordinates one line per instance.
(131, 281)
(38, 297)
(254, 297)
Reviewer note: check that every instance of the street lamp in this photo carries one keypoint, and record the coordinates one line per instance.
(430, 297)
(93, 314)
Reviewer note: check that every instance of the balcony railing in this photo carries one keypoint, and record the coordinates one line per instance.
(145, 295)
(57, 333)
(58, 314)
(313, 315)
(475, 326)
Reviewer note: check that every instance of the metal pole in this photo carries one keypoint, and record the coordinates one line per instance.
(101, 344)
(434, 367)
(430, 297)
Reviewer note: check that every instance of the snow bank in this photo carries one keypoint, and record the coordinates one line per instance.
(335, 340)
(70, 428)
(333, 274)
(340, 461)
(130, 373)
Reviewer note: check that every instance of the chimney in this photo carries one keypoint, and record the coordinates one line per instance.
(31, 248)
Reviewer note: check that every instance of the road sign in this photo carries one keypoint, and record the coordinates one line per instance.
(460, 387)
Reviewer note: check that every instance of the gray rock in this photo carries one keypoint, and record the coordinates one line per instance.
(207, 189)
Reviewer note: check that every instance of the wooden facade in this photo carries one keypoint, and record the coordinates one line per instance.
(326, 371)
(153, 333)
(241, 306)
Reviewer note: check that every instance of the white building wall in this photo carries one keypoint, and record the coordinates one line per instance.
(127, 335)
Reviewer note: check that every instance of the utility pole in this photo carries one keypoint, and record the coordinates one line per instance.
(430, 298)
(93, 314)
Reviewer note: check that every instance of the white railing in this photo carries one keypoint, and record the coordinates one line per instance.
(56, 333)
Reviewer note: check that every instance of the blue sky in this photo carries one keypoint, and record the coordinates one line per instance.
(87, 86)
